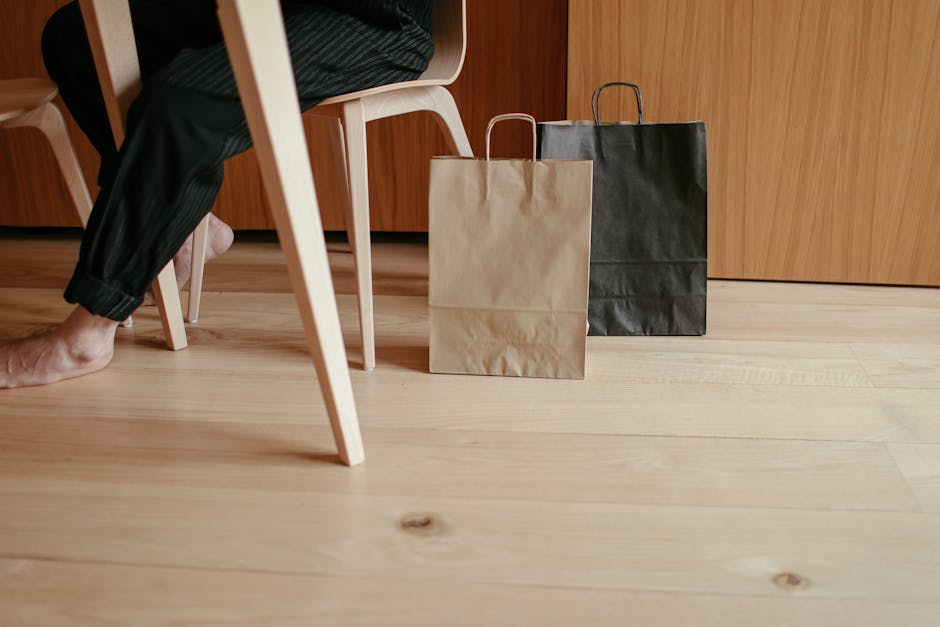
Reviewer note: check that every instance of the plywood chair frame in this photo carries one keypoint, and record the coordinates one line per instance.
(256, 43)
(119, 75)
(28, 102)
(257, 47)
(48, 119)
(351, 112)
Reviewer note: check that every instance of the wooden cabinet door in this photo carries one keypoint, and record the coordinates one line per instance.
(823, 124)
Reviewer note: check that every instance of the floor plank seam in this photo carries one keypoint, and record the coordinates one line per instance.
(907, 483)
(478, 582)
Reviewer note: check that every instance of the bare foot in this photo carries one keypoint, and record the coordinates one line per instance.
(83, 344)
(220, 240)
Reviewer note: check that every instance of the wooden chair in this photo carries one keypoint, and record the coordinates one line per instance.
(257, 47)
(27, 102)
(350, 113)
(119, 75)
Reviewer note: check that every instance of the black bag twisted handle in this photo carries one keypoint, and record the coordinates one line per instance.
(596, 101)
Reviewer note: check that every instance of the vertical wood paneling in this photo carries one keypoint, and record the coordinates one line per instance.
(516, 62)
(823, 124)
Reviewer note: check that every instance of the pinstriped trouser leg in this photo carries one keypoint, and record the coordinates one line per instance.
(184, 125)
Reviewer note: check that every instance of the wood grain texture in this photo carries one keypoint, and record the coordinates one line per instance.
(920, 465)
(516, 61)
(62, 594)
(747, 379)
(669, 488)
(49, 121)
(22, 95)
(607, 546)
(823, 124)
(596, 469)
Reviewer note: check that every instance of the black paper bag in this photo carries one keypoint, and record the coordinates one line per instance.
(649, 227)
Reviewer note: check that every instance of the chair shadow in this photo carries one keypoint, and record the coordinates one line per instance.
(413, 358)
(257, 446)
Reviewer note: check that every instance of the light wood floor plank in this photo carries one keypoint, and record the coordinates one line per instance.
(470, 464)
(901, 365)
(920, 465)
(721, 550)
(630, 408)
(395, 400)
(404, 324)
(671, 487)
(58, 594)
(240, 331)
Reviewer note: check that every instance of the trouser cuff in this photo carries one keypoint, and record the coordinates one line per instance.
(100, 298)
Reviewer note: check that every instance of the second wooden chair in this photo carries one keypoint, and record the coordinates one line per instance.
(350, 113)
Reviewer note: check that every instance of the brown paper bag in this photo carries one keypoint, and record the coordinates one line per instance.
(509, 259)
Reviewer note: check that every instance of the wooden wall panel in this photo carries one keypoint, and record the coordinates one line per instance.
(823, 124)
(516, 62)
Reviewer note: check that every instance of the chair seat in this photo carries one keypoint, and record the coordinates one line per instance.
(22, 95)
(382, 89)
(349, 113)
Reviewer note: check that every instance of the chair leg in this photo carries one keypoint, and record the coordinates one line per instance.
(166, 293)
(109, 21)
(200, 242)
(338, 150)
(49, 120)
(357, 223)
(257, 46)
(448, 118)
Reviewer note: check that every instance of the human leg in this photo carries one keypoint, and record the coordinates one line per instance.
(188, 120)
(162, 28)
(83, 344)
(182, 127)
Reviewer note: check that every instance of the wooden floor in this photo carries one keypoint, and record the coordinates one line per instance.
(784, 470)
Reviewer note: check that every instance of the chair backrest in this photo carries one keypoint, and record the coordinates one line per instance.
(450, 42)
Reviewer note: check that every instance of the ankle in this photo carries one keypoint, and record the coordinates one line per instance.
(89, 337)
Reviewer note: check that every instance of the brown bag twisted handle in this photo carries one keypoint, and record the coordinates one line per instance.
(510, 116)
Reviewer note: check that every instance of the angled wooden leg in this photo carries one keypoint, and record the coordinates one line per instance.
(52, 125)
(167, 295)
(111, 37)
(448, 118)
(198, 266)
(338, 150)
(357, 222)
(257, 46)
(48, 119)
